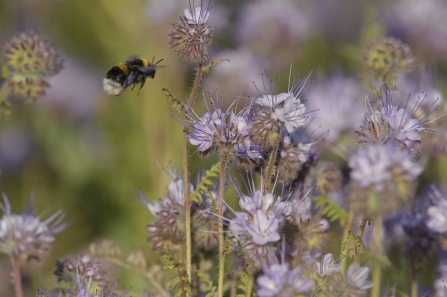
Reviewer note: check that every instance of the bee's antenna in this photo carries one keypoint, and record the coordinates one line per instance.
(153, 59)
(157, 62)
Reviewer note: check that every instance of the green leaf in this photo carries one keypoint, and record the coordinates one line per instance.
(353, 245)
(330, 209)
(213, 64)
(207, 181)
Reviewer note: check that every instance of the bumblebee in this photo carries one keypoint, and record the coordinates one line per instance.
(133, 71)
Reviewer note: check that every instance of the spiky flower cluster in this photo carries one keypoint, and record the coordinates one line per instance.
(24, 236)
(29, 58)
(385, 122)
(276, 112)
(81, 267)
(264, 219)
(382, 179)
(386, 56)
(279, 280)
(168, 229)
(228, 134)
(191, 35)
(330, 281)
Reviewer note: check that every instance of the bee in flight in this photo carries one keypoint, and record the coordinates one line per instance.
(130, 72)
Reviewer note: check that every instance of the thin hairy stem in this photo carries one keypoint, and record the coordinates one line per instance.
(17, 277)
(377, 249)
(268, 176)
(249, 284)
(141, 272)
(186, 180)
(346, 228)
(296, 261)
(3, 92)
(221, 231)
(362, 227)
(414, 287)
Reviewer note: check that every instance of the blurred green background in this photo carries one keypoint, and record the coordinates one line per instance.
(83, 151)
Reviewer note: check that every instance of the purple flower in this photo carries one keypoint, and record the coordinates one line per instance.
(327, 266)
(357, 277)
(25, 235)
(263, 229)
(278, 280)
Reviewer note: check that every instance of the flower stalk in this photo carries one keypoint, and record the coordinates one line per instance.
(17, 278)
(221, 231)
(376, 246)
(346, 228)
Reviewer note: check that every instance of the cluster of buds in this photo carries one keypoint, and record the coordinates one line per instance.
(191, 36)
(28, 58)
(386, 56)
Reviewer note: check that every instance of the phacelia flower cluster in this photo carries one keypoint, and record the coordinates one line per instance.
(387, 123)
(81, 267)
(383, 179)
(191, 35)
(279, 280)
(29, 58)
(386, 56)
(82, 288)
(275, 112)
(228, 134)
(25, 236)
(168, 229)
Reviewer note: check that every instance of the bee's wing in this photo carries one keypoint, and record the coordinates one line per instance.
(148, 70)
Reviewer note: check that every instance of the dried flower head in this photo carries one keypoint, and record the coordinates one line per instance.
(382, 179)
(277, 112)
(29, 58)
(81, 267)
(25, 236)
(386, 56)
(191, 35)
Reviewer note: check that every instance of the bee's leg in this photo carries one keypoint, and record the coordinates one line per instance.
(143, 80)
(133, 87)
(142, 84)
(130, 79)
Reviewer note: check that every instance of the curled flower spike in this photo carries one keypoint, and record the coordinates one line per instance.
(227, 133)
(25, 236)
(382, 179)
(278, 112)
(29, 58)
(191, 35)
(385, 122)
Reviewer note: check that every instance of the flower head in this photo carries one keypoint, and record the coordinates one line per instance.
(29, 57)
(82, 288)
(386, 56)
(276, 112)
(228, 134)
(82, 267)
(278, 280)
(191, 35)
(386, 122)
(382, 179)
(24, 235)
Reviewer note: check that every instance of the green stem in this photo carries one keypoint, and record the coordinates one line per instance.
(346, 228)
(17, 278)
(221, 233)
(414, 287)
(362, 227)
(297, 259)
(377, 249)
(268, 177)
(188, 202)
(249, 284)
(3, 92)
